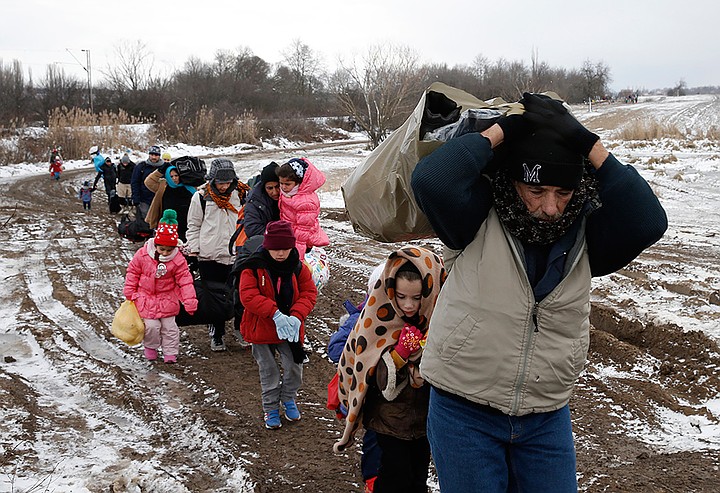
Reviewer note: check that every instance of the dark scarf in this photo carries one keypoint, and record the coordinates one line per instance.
(517, 219)
(281, 274)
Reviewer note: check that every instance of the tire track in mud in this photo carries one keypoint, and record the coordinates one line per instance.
(91, 390)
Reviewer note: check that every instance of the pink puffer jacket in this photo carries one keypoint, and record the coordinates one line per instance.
(159, 296)
(303, 211)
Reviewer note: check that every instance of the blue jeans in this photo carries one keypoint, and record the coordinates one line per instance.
(478, 448)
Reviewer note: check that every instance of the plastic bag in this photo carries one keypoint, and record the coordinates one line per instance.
(127, 325)
(319, 263)
(378, 197)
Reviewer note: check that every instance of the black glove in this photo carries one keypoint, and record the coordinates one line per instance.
(162, 169)
(514, 127)
(543, 111)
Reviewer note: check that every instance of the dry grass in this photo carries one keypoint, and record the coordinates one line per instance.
(76, 130)
(209, 128)
(648, 129)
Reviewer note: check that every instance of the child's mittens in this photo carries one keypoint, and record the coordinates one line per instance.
(295, 324)
(282, 325)
(408, 342)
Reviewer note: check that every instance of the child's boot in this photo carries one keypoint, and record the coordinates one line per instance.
(292, 413)
(272, 419)
(151, 354)
(170, 358)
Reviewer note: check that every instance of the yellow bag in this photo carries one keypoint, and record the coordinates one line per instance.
(127, 325)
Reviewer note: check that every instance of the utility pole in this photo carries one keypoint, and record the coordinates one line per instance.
(89, 72)
(87, 69)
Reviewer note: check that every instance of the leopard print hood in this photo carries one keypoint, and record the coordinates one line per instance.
(378, 329)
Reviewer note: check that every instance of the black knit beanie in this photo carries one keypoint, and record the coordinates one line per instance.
(269, 173)
(541, 159)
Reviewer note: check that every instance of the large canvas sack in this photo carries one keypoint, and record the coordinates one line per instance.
(215, 301)
(192, 170)
(378, 197)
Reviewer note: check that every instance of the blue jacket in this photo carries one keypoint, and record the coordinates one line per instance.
(337, 340)
(141, 193)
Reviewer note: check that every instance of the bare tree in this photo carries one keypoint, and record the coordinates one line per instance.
(305, 65)
(595, 80)
(680, 89)
(58, 89)
(379, 92)
(15, 93)
(134, 70)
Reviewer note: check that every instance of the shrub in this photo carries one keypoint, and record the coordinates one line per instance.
(208, 128)
(297, 129)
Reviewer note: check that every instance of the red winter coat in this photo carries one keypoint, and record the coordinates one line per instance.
(159, 297)
(258, 297)
(302, 210)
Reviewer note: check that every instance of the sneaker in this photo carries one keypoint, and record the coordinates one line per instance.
(217, 345)
(151, 354)
(240, 339)
(292, 413)
(272, 420)
(170, 358)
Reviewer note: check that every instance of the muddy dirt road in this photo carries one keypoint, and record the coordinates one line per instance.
(96, 411)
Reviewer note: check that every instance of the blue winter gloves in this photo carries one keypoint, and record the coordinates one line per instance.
(287, 327)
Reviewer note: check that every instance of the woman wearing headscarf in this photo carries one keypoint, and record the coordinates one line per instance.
(170, 193)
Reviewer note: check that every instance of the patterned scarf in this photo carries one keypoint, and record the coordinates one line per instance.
(378, 329)
(517, 219)
(222, 200)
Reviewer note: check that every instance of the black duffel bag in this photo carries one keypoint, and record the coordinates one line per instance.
(215, 301)
(192, 170)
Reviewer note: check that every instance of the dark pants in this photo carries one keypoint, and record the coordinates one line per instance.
(403, 465)
(215, 271)
(86, 205)
(370, 460)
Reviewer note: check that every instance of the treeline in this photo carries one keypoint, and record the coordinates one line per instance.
(239, 97)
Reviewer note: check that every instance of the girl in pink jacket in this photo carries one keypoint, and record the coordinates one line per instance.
(299, 203)
(157, 280)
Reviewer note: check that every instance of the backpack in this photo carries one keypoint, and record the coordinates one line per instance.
(192, 170)
(239, 237)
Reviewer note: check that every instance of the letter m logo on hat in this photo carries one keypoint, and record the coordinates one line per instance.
(531, 175)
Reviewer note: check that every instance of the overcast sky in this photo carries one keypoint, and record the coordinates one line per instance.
(647, 44)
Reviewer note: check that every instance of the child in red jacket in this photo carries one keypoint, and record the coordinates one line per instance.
(157, 280)
(278, 293)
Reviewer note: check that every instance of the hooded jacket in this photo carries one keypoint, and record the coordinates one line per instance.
(159, 296)
(303, 211)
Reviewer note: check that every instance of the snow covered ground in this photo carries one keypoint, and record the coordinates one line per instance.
(677, 282)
